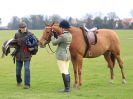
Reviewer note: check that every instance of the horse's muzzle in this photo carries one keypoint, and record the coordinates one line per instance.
(41, 45)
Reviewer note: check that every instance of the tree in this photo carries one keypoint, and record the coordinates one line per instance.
(105, 22)
(119, 24)
(14, 23)
(27, 21)
(131, 26)
(131, 12)
(112, 19)
(55, 18)
(37, 21)
(98, 22)
(73, 22)
(88, 21)
(0, 21)
(46, 20)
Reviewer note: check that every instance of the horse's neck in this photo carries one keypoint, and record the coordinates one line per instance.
(58, 31)
(77, 33)
(78, 40)
(75, 30)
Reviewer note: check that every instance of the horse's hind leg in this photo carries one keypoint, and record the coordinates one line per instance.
(121, 65)
(111, 64)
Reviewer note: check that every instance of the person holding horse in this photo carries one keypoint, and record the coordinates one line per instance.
(62, 53)
(23, 54)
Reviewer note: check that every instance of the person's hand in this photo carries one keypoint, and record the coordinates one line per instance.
(30, 49)
(52, 34)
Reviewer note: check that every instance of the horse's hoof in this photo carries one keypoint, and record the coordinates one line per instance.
(76, 86)
(124, 81)
(111, 81)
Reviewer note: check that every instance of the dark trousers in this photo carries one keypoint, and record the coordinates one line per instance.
(19, 65)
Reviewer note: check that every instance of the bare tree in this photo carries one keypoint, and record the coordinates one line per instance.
(27, 21)
(55, 18)
(13, 24)
(0, 21)
(112, 17)
(131, 12)
(37, 21)
(88, 20)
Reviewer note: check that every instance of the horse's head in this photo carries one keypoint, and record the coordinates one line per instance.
(46, 36)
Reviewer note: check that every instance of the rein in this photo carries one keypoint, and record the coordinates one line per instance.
(48, 40)
(51, 49)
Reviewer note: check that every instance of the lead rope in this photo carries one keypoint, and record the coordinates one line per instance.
(50, 49)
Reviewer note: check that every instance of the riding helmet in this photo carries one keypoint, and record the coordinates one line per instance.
(64, 24)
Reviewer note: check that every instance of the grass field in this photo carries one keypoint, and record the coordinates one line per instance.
(46, 79)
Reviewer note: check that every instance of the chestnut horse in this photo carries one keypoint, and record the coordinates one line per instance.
(107, 45)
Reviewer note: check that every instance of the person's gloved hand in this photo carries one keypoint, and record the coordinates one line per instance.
(52, 34)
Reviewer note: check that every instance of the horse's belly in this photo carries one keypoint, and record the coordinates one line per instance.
(96, 51)
(92, 55)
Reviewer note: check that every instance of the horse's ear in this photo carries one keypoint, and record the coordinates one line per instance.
(53, 23)
(46, 23)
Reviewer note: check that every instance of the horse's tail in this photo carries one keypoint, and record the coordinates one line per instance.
(112, 56)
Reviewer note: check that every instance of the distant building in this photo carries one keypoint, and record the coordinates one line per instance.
(127, 22)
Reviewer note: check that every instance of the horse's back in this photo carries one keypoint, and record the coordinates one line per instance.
(107, 40)
(109, 34)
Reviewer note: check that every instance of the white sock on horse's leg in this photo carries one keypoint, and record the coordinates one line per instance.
(111, 81)
(124, 81)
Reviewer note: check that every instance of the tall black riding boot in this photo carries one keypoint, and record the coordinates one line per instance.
(66, 79)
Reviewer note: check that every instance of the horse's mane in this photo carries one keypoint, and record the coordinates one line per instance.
(72, 29)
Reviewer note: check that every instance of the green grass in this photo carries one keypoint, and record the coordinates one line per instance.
(46, 79)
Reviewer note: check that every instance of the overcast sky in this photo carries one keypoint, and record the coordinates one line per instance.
(65, 8)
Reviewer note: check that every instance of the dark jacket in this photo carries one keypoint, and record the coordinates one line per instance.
(22, 52)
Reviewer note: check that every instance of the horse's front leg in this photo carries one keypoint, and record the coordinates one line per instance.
(75, 68)
(79, 64)
(78, 69)
(76, 84)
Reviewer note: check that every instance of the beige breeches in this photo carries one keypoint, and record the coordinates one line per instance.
(63, 66)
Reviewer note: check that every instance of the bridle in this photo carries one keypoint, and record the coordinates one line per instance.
(49, 38)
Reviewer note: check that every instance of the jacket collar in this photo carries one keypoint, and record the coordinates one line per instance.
(65, 32)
